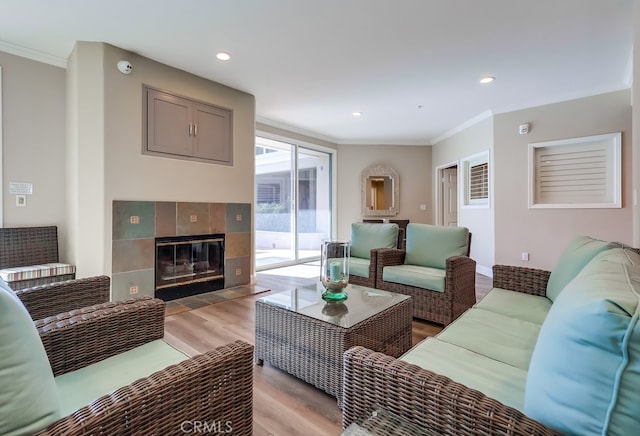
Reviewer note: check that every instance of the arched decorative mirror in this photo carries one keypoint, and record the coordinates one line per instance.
(379, 191)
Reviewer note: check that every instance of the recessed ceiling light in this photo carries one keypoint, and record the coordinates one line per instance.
(357, 114)
(223, 56)
(487, 79)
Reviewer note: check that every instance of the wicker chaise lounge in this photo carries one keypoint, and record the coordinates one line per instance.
(544, 352)
(432, 401)
(29, 257)
(213, 389)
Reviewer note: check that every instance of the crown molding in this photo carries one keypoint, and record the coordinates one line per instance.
(34, 55)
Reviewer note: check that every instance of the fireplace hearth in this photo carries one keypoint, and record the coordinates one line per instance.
(188, 265)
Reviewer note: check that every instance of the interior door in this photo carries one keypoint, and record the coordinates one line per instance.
(450, 196)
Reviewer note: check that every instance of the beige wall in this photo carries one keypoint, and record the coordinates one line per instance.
(33, 111)
(480, 221)
(413, 164)
(544, 232)
(110, 165)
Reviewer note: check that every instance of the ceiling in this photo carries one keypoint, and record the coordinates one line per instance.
(410, 66)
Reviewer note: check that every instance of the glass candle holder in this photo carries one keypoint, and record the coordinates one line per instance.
(334, 269)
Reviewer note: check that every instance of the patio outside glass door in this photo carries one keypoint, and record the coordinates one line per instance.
(293, 202)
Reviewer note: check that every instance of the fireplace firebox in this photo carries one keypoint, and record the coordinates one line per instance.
(189, 265)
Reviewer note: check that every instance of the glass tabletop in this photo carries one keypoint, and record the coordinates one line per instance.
(361, 304)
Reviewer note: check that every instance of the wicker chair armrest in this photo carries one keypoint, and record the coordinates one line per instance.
(390, 256)
(460, 280)
(54, 298)
(81, 337)
(215, 388)
(521, 279)
(431, 401)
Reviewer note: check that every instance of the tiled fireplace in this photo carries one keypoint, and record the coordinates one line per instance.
(140, 226)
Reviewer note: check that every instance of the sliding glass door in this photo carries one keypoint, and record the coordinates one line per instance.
(293, 202)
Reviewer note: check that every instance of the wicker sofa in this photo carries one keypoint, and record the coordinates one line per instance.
(434, 269)
(29, 257)
(543, 353)
(105, 369)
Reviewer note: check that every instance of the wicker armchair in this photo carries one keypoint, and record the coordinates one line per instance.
(435, 403)
(213, 386)
(435, 306)
(53, 298)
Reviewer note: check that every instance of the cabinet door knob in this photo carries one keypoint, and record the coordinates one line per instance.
(195, 129)
(190, 129)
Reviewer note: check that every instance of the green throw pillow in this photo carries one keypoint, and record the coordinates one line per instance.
(28, 394)
(367, 236)
(575, 256)
(584, 374)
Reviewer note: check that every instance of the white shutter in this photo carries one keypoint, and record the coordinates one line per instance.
(582, 172)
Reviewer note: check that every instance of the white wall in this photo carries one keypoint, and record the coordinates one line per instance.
(33, 111)
(480, 221)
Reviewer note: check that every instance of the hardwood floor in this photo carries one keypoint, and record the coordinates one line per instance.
(283, 405)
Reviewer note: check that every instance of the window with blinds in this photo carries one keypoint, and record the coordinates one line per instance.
(576, 173)
(476, 180)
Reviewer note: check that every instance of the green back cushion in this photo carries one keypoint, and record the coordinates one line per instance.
(575, 256)
(367, 236)
(584, 374)
(430, 246)
(28, 394)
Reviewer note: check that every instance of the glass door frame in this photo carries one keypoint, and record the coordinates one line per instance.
(297, 146)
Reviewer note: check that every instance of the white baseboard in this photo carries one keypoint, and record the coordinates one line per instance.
(484, 270)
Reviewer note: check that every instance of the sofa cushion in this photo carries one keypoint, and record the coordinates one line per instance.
(584, 375)
(418, 276)
(81, 387)
(36, 271)
(574, 257)
(498, 337)
(430, 246)
(519, 305)
(359, 267)
(28, 395)
(367, 236)
(495, 379)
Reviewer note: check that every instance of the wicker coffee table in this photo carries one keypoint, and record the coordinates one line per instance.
(305, 336)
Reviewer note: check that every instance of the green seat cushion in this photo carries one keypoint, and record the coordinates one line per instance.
(367, 236)
(498, 337)
(429, 245)
(584, 376)
(574, 257)
(519, 305)
(495, 379)
(359, 267)
(81, 387)
(28, 396)
(418, 276)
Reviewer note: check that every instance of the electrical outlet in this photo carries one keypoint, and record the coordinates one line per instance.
(238, 271)
(194, 218)
(238, 217)
(423, 207)
(135, 219)
(525, 256)
(133, 290)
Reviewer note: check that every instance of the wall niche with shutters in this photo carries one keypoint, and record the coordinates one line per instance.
(182, 128)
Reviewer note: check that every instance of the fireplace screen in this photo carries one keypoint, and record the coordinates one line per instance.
(189, 265)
